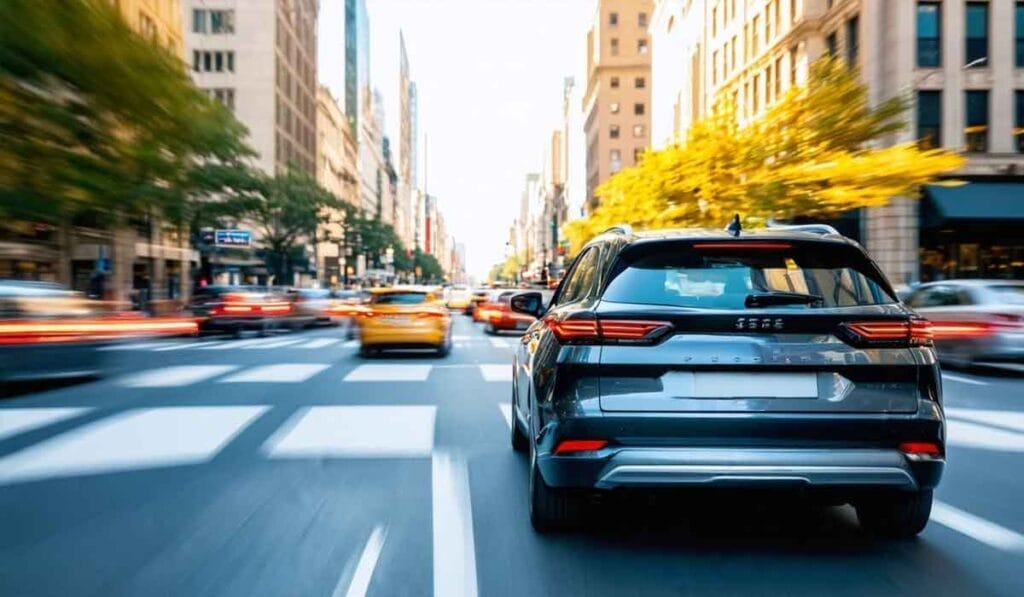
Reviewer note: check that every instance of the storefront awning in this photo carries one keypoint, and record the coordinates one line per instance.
(991, 201)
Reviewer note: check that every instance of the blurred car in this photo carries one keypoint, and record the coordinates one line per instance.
(43, 332)
(402, 318)
(478, 296)
(974, 321)
(458, 297)
(235, 309)
(695, 359)
(312, 306)
(498, 315)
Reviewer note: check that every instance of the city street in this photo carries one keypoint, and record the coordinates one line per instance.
(289, 465)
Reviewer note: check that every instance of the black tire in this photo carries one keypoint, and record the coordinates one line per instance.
(896, 515)
(489, 330)
(368, 352)
(520, 443)
(551, 509)
(444, 350)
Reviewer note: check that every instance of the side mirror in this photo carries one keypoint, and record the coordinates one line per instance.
(528, 303)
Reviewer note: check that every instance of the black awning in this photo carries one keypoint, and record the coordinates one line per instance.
(974, 201)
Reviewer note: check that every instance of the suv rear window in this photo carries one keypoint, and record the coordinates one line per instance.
(702, 275)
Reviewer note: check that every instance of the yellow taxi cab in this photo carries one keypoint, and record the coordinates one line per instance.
(458, 297)
(400, 318)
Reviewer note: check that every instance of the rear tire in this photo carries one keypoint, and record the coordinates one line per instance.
(489, 330)
(551, 509)
(520, 443)
(367, 352)
(896, 516)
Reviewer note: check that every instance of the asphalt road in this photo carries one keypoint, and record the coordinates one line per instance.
(290, 466)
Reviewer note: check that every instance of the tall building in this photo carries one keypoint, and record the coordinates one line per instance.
(574, 150)
(159, 20)
(265, 74)
(336, 171)
(407, 154)
(676, 31)
(617, 100)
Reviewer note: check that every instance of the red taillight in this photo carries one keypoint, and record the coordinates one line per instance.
(917, 332)
(580, 445)
(961, 330)
(921, 449)
(606, 330)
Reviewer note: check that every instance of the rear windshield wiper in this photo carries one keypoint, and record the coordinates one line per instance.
(781, 298)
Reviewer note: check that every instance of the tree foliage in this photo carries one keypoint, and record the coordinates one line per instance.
(816, 152)
(96, 118)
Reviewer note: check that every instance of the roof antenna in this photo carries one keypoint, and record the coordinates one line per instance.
(734, 226)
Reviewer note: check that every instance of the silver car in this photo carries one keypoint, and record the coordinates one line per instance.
(975, 322)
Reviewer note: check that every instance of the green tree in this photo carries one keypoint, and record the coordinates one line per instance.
(430, 268)
(819, 151)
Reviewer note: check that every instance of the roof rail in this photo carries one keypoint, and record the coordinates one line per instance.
(620, 229)
(810, 228)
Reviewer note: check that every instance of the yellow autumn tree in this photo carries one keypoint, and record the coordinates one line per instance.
(821, 150)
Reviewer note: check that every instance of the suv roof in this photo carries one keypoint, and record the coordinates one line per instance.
(804, 233)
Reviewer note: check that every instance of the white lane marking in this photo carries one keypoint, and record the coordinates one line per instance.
(214, 345)
(971, 435)
(355, 432)
(506, 411)
(178, 346)
(1003, 418)
(496, 372)
(501, 343)
(273, 344)
(239, 343)
(977, 528)
(278, 373)
(360, 582)
(19, 420)
(962, 379)
(320, 343)
(351, 344)
(463, 338)
(134, 346)
(182, 375)
(454, 552)
(133, 440)
(389, 373)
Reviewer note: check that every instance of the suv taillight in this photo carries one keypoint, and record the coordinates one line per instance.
(915, 332)
(607, 331)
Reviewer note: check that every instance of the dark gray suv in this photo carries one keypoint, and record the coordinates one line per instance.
(769, 359)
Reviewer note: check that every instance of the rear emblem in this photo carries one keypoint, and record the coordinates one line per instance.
(758, 323)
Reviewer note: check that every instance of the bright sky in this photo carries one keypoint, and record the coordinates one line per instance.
(489, 74)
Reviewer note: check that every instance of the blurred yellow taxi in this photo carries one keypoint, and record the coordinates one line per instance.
(400, 318)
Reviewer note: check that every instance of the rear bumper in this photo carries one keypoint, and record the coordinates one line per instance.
(406, 337)
(745, 467)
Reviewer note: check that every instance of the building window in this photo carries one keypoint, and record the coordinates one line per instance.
(613, 19)
(852, 40)
(614, 107)
(615, 82)
(198, 21)
(222, 21)
(1018, 130)
(641, 46)
(638, 131)
(224, 96)
(778, 77)
(832, 44)
(977, 33)
(147, 26)
(638, 154)
(793, 65)
(929, 34)
(929, 119)
(732, 53)
(757, 93)
(714, 67)
(755, 35)
(209, 61)
(613, 131)
(714, 21)
(615, 46)
(638, 109)
(976, 129)
(640, 82)
(642, 19)
(615, 160)
(769, 25)
(1019, 36)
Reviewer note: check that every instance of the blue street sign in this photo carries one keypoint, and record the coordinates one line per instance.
(233, 238)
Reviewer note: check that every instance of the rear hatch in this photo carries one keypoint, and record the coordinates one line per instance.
(847, 349)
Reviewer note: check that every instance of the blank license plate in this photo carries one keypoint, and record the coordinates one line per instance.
(714, 384)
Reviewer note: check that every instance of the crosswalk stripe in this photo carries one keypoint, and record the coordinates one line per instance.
(181, 375)
(1003, 418)
(278, 373)
(389, 373)
(496, 372)
(133, 440)
(506, 411)
(320, 343)
(355, 432)
(351, 344)
(452, 516)
(972, 435)
(501, 343)
(977, 528)
(363, 574)
(20, 420)
(273, 344)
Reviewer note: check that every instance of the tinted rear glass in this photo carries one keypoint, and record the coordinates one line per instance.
(678, 274)
(400, 298)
